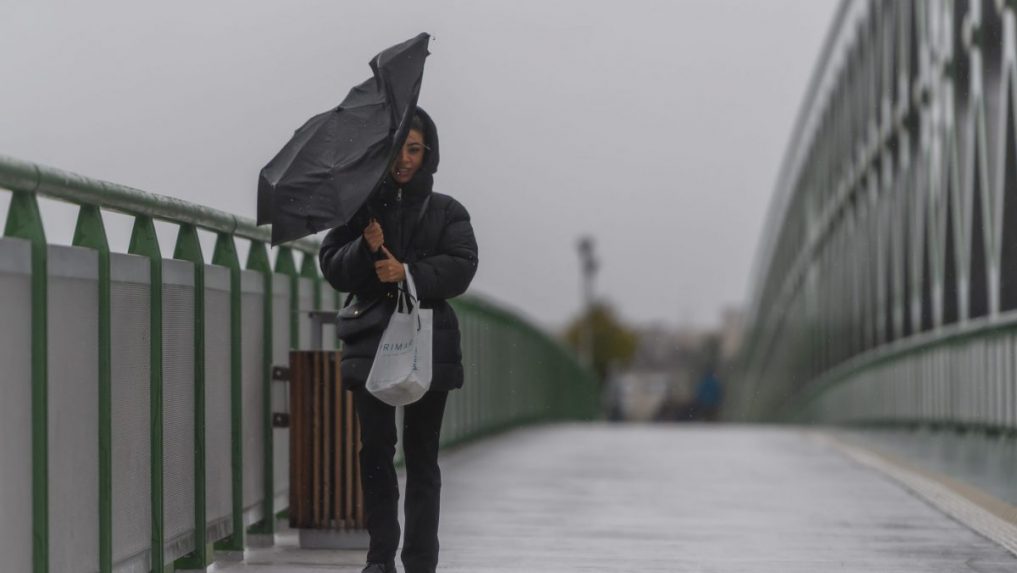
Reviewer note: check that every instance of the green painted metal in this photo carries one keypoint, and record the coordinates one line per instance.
(575, 397)
(225, 254)
(309, 270)
(91, 233)
(24, 222)
(518, 373)
(188, 248)
(337, 303)
(257, 260)
(309, 266)
(285, 264)
(24, 176)
(950, 335)
(890, 242)
(523, 374)
(145, 243)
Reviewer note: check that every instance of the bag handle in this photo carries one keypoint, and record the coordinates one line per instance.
(411, 287)
(379, 255)
(407, 297)
(412, 293)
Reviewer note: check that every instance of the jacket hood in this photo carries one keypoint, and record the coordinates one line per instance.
(423, 180)
(431, 155)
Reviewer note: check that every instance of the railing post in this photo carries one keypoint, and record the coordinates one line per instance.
(309, 270)
(24, 222)
(188, 248)
(91, 233)
(338, 304)
(257, 260)
(144, 242)
(286, 265)
(225, 254)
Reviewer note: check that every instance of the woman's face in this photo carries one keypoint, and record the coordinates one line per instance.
(409, 159)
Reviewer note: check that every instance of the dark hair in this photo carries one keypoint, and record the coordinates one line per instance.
(418, 124)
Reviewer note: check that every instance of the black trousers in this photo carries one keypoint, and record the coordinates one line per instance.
(421, 430)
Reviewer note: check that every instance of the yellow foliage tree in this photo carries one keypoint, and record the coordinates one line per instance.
(613, 342)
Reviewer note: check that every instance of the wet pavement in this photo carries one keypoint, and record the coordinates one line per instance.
(671, 498)
(986, 461)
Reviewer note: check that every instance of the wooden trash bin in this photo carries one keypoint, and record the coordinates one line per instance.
(326, 495)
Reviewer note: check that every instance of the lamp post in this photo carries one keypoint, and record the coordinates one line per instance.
(588, 266)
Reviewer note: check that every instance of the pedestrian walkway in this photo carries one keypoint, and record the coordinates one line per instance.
(672, 498)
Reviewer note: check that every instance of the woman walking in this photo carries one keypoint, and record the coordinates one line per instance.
(431, 234)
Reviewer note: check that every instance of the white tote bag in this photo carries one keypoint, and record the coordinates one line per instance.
(401, 372)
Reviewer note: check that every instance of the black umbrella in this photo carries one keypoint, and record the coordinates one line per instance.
(324, 175)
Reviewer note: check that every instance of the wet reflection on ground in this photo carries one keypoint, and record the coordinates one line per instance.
(988, 462)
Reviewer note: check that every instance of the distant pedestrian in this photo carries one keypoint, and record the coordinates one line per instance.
(708, 397)
(431, 233)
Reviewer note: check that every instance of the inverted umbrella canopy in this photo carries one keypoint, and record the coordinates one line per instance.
(325, 173)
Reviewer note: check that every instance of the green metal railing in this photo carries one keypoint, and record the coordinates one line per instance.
(515, 373)
(885, 292)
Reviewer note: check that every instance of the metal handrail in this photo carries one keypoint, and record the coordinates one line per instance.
(522, 374)
(791, 162)
(943, 336)
(25, 176)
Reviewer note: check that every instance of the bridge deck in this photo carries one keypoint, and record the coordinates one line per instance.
(672, 498)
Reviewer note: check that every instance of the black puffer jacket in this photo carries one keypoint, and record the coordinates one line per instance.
(441, 253)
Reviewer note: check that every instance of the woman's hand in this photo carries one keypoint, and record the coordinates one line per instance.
(389, 270)
(374, 236)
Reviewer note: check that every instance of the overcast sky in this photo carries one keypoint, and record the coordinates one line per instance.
(655, 126)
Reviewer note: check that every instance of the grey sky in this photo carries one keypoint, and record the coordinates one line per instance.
(656, 126)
